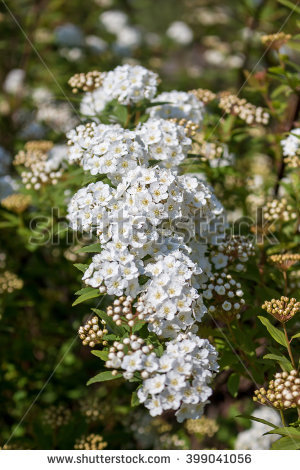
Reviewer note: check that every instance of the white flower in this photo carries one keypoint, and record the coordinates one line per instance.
(180, 32)
(291, 144)
(113, 20)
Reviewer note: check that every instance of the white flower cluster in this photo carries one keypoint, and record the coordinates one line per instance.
(106, 149)
(291, 144)
(130, 84)
(165, 141)
(145, 222)
(178, 380)
(136, 219)
(179, 105)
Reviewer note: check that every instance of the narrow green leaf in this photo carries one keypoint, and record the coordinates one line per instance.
(84, 290)
(87, 296)
(253, 418)
(287, 431)
(290, 5)
(295, 336)
(81, 267)
(94, 248)
(101, 354)
(274, 332)
(283, 361)
(103, 377)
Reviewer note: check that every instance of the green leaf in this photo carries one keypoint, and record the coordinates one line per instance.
(88, 295)
(233, 384)
(253, 418)
(283, 361)
(274, 332)
(287, 431)
(290, 5)
(81, 267)
(286, 443)
(134, 399)
(103, 377)
(295, 336)
(94, 248)
(101, 354)
(137, 326)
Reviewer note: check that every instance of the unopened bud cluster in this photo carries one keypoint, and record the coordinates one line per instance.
(249, 113)
(275, 41)
(236, 249)
(9, 282)
(37, 171)
(292, 161)
(126, 347)
(207, 150)
(122, 311)
(56, 416)
(285, 261)
(282, 393)
(93, 409)
(225, 296)
(90, 442)
(91, 333)
(17, 203)
(205, 426)
(278, 210)
(203, 95)
(190, 128)
(282, 309)
(86, 81)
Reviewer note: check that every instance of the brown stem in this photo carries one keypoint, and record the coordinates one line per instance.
(288, 346)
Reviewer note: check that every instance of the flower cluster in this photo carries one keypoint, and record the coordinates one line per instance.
(285, 261)
(282, 309)
(234, 249)
(92, 408)
(165, 141)
(86, 81)
(278, 210)
(90, 442)
(146, 219)
(9, 282)
(178, 105)
(56, 416)
(249, 113)
(130, 84)
(225, 296)
(122, 311)
(42, 163)
(91, 333)
(291, 148)
(204, 426)
(178, 380)
(17, 203)
(275, 41)
(106, 149)
(282, 393)
(206, 96)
